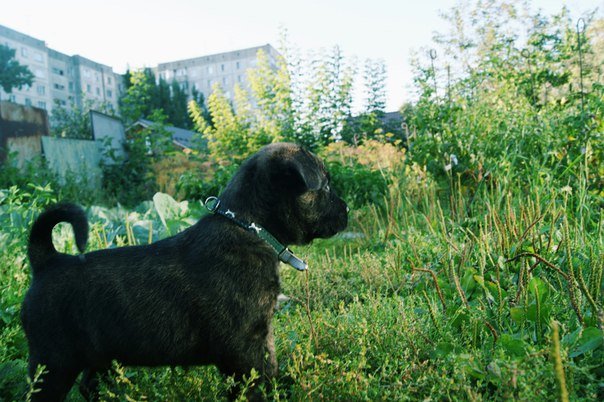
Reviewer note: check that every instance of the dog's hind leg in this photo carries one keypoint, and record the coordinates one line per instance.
(54, 383)
(89, 384)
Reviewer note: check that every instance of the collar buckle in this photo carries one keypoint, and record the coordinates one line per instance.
(290, 258)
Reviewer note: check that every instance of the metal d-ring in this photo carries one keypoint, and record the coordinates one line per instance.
(212, 204)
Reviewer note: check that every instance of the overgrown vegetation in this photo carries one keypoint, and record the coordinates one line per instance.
(472, 267)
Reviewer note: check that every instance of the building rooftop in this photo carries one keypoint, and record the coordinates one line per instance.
(18, 36)
(233, 54)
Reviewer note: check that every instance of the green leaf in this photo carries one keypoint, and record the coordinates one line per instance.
(518, 314)
(512, 346)
(538, 288)
(591, 339)
(571, 338)
(441, 350)
(169, 210)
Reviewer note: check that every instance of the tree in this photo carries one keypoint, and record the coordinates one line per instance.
(369, 123)
(229, 135)
(330, 96)
(138, 101)
(270, 90)
(145, 96)
(12, 74)
(75, 121)
(374, 76)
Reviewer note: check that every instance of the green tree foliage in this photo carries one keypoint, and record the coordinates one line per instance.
(369, 124)
(12, 74)
(270, 92)
(513, 108)
(329, 96)
(139, 99)
(259, 115)
(74, 122)
(144, 96)
(374, 77)
(229, 137)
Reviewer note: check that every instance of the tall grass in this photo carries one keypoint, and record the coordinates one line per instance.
(436, 291)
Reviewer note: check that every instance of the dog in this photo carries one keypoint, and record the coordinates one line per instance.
(204, 296)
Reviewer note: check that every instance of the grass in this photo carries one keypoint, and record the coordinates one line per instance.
(441, 293)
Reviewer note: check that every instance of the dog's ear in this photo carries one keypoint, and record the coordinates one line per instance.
(302, 174)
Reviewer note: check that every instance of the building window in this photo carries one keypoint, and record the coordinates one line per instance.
(38, 72)
(98, 91)
(71, 87)
(42, 105)
(224, 80)
(24, 52)
(88, 88)
(38, 57)
(109, 80)
(12, 98)
(209, 84)
(210, 70)
(41, 89)
(238, 65)
(238, 78)
(27, 102)
(60, 102)
(60, 87)
(109, 93)
(57, 71)
(222, 67)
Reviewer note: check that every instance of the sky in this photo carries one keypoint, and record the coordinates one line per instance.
(143, 33)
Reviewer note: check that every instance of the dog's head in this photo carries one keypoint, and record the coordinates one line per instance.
(286, 189)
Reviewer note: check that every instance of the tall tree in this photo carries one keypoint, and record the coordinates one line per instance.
(270, 91)
(12, 74)
(374, 77)
(140, 99)
(330, 95)
(177, 107)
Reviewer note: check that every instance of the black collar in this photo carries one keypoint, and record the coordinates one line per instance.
(283, 253)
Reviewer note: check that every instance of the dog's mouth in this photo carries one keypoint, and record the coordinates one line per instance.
(338, 223)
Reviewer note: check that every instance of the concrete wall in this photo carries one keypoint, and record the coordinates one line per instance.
(79, 159)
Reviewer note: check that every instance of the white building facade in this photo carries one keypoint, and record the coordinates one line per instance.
(59, 78)
(227, 69)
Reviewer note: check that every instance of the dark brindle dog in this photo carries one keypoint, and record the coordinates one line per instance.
(204, 296)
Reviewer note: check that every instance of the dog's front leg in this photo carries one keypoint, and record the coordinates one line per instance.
(256, 353)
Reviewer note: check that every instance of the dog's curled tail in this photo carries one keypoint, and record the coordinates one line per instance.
(40, 239)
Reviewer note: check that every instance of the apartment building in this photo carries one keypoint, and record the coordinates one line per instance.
(59, 78)
(227, 69)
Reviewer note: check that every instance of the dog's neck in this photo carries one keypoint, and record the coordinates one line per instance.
(284, 254)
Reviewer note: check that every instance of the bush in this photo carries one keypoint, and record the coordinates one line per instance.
(362, 174)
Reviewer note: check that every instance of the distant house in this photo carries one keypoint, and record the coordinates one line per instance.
(181, 137)
(393, 121)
